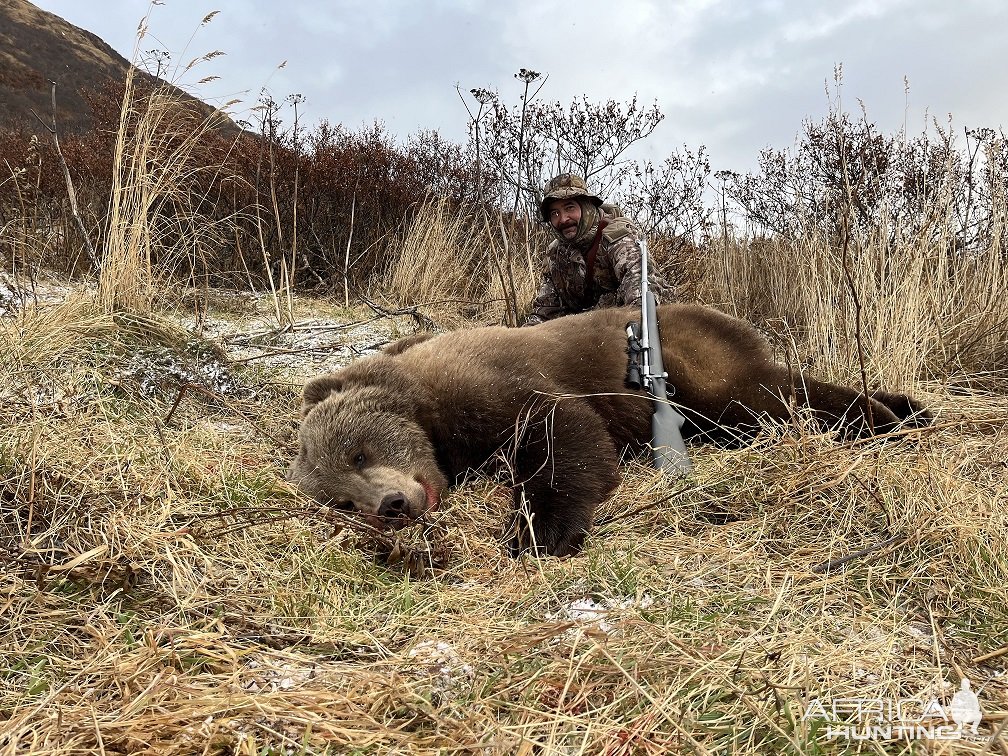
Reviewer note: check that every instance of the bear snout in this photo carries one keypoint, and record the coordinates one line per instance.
(394, 506)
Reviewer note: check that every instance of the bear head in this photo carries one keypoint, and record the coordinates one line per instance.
(364, 445)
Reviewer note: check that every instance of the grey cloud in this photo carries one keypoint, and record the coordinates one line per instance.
(736, 76)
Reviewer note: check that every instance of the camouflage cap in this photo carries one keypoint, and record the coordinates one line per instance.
(564, 186)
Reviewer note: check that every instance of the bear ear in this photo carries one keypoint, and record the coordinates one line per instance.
(319, 389)
(398, 347)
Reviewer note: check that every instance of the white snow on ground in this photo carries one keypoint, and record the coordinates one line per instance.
(309, 346)
(16, 291)
(267, 678)
(442, 663)
(246, 327)
(603, 614)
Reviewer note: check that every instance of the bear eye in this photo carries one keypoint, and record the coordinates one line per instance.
(359, 460)
(344, 506)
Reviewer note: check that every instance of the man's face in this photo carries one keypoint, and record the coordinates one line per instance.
(564, 216)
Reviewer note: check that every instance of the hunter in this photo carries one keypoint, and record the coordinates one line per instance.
(595, 259)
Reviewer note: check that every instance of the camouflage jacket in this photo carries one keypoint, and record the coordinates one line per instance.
(617, 279)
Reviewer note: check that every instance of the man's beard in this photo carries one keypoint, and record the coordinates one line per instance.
(589, 217)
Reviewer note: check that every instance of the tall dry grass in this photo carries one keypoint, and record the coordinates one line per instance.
(928, 313)
(455, 264)
(153, 224)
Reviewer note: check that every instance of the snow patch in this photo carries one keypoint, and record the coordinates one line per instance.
(442, 663)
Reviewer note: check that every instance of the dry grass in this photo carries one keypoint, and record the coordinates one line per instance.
(153, 226)
(927, 314)
(454, 265)
(163, 592)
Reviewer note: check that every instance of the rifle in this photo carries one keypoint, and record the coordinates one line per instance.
(646, 369)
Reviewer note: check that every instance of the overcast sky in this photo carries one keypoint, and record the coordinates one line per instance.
(734, 75)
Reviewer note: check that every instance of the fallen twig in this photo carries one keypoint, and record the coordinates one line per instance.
(834, 563)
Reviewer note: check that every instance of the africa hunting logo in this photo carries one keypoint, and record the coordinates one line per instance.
(898, 719)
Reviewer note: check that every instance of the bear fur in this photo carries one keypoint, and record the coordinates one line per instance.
(388, 434)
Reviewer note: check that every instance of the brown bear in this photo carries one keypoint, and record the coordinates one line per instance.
(388, 434)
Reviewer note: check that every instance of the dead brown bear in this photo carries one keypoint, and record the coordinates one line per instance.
(386, 435)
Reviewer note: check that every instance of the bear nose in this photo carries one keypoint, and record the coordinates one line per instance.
(393, 505)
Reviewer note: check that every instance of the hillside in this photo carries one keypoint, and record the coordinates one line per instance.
(37, 47)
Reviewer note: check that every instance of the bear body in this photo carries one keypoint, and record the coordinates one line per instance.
(386, 435)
